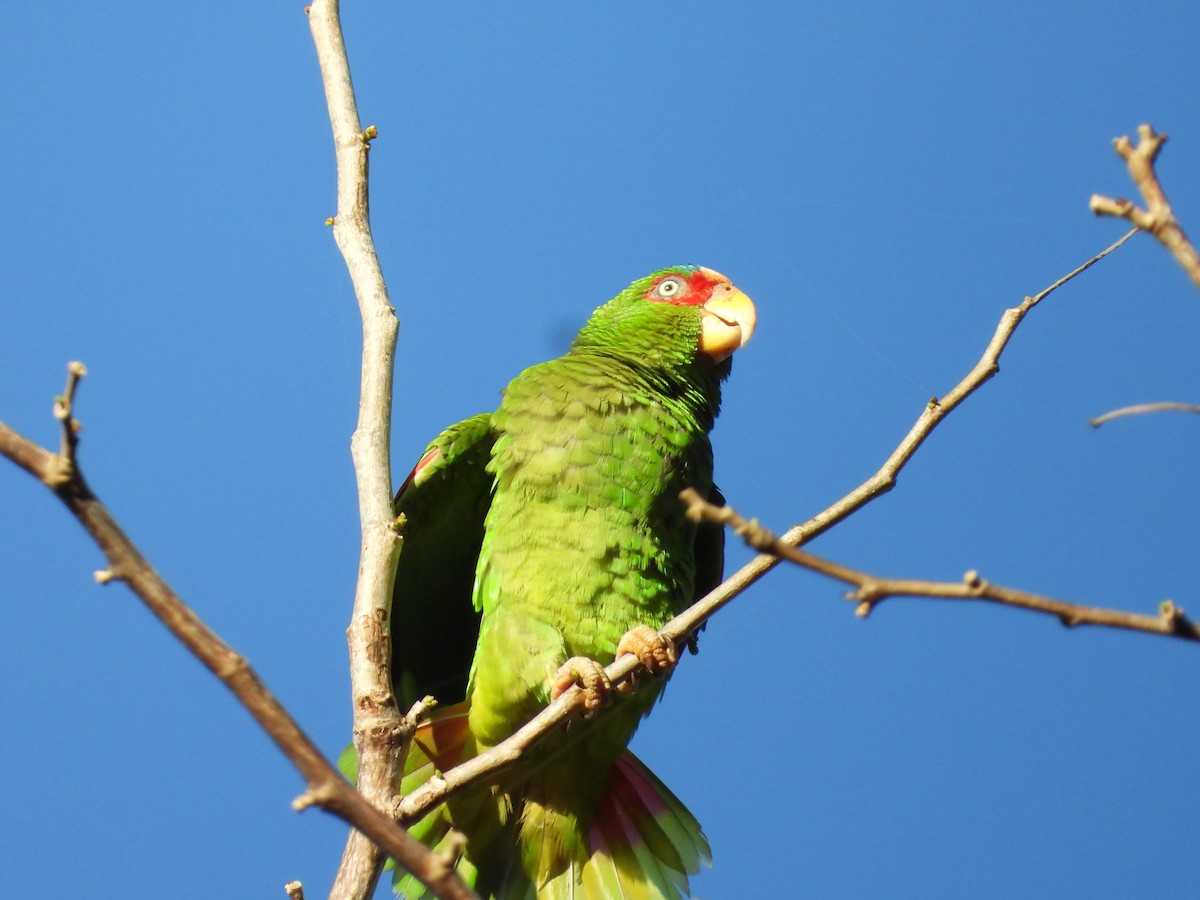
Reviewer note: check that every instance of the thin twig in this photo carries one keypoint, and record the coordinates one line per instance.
(1157, 218)
(934, 412)
(380, 730)
(871, 590)
(485, 766)
(69, 441)
(1142, 408)
(325, 787)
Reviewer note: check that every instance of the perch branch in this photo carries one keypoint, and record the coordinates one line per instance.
(507, 753)
(380, 731)
(871, 590)
(485, 766)
(324, 785)
(1157, 218)
(1142, 408)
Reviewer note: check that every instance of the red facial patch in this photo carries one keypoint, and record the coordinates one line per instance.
(695, 288)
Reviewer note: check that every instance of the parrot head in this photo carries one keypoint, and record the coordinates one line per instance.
(727, 316)
(675, 316)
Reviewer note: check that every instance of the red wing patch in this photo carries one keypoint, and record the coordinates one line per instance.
(414, 477)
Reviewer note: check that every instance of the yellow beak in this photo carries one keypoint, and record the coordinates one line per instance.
(727, 322)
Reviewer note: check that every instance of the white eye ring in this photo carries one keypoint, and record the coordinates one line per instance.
(669, 287)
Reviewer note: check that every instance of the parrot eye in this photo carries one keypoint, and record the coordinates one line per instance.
(669, 288)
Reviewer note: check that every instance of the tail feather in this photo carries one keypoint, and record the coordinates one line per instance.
(638, 872)
(642, 843)
(601, 877)
(665, 823)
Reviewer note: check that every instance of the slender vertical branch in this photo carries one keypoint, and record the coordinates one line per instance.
(380, 730)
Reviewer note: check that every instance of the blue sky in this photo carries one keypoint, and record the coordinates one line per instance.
(884, 181)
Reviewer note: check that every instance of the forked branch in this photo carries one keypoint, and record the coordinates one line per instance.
(871, 590)
(1157, 218)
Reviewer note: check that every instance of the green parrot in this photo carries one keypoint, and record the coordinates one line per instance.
(541, 541)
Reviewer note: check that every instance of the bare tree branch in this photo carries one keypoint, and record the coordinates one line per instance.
(380, 731)
(1157, 218)
(1142, 408)
(487, 765)
(325, 787)
(871, 590)
(934, 412)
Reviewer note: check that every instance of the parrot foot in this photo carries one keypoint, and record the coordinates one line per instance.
(591, 678)
(653, 651)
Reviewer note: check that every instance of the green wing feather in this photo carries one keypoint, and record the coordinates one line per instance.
(444, 502)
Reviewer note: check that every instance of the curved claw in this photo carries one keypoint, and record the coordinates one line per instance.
(653, 651)
(591, 678)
